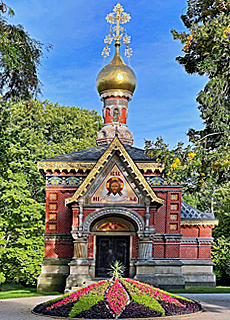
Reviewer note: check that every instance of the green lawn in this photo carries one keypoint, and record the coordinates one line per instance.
(218, 289)
(18, 291)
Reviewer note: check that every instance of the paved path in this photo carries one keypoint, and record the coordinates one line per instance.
(217, 307)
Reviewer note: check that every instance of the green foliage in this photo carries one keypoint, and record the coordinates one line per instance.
(221, 257)
(116, 269)
(30, 132)
(20, 56)
(84, 303)
(206, 47)
(10, 291)
(203, 166)
(148, 302)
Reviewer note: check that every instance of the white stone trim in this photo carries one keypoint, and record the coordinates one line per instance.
(102, 213)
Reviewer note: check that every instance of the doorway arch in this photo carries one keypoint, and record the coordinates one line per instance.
(112, 230)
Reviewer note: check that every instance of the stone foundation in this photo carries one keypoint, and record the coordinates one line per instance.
(198, 272)
(53, 275)
(79, 274)
(163, 273)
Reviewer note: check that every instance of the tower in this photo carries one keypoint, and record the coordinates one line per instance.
(116, 83)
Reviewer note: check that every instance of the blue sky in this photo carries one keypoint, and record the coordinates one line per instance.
(164, 101)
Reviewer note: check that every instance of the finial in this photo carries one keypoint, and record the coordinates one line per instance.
(116, 33)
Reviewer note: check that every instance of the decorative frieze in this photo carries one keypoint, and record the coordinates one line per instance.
(49, 165)
(199, 222)
(205, 240)
(61, 180)
(154, 181)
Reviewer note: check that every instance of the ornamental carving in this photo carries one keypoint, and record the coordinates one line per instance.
(145, 250)
(116, 93)
(199, 223)
(101, 213)
(65, 181)
(48, 165)
(145, 166)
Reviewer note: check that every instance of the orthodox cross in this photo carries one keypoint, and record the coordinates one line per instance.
(117, 32)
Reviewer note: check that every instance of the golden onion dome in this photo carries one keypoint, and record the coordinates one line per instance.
(116, 75)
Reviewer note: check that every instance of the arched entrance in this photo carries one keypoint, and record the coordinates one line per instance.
(113, 231)
(113, 239)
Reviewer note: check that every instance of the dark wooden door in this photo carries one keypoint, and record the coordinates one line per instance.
(110, 249)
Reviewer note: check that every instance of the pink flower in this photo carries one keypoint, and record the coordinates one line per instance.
(116, 297)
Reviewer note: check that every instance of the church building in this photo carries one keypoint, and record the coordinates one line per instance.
(110, 203)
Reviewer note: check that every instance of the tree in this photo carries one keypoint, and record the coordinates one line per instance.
(32, 132)
(20, 56)
(207, 51)
(203, 165)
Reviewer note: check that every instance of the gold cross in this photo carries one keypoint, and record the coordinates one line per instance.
(116, 18)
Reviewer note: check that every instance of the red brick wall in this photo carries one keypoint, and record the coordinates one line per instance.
(90, 246)
(86, 212)
(189, 251)
(204, 251)
(160, 216)
(63, 221)
(205, 231)
(190, 231)
(200, 249)
(158, 250)
(57, 249)
(172, 251)
(135, 247)
(61, 224)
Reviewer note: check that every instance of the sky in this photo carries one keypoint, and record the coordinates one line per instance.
(164, 103)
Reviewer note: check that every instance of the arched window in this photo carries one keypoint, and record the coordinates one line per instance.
(115, 114)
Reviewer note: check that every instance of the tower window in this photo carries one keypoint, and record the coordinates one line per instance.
(115, 115)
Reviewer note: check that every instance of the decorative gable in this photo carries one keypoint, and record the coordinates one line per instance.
(115, 153)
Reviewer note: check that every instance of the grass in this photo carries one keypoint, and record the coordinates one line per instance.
(10, 290)
(217, 289)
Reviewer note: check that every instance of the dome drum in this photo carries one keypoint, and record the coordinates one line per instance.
(107, 134)
(116, 94)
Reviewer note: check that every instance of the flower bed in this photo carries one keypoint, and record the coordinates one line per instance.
(120, 298)
(116, 297)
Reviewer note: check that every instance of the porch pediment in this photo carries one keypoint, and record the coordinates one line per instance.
(115, 158)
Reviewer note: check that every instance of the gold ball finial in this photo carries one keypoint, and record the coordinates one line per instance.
(117, 75)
